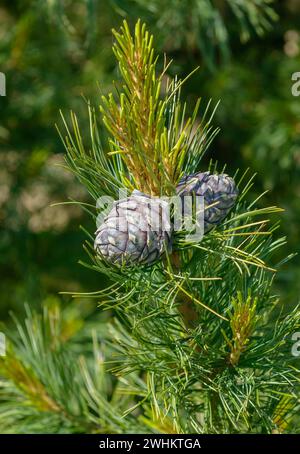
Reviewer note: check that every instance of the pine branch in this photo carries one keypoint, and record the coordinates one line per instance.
(199, 327)
(148, 132)
(242, 322)
(56, 391)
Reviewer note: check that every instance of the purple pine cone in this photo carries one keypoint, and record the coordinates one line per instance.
(219, 190)
(136, 231)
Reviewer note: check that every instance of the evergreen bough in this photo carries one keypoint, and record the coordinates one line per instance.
(195, 343)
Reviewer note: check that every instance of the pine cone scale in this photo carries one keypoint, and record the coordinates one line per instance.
(128, 235)
(219, 192)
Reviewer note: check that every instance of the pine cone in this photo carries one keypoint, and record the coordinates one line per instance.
(136, 231)
(219, 190)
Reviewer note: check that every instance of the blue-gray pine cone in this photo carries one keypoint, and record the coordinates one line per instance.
(219, 190)
(136, 231)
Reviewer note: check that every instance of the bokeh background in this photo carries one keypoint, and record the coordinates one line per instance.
(56, 52)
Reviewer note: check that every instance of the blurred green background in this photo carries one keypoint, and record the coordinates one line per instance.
(53, 52)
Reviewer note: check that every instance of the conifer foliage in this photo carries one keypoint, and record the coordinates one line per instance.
(193, 343)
